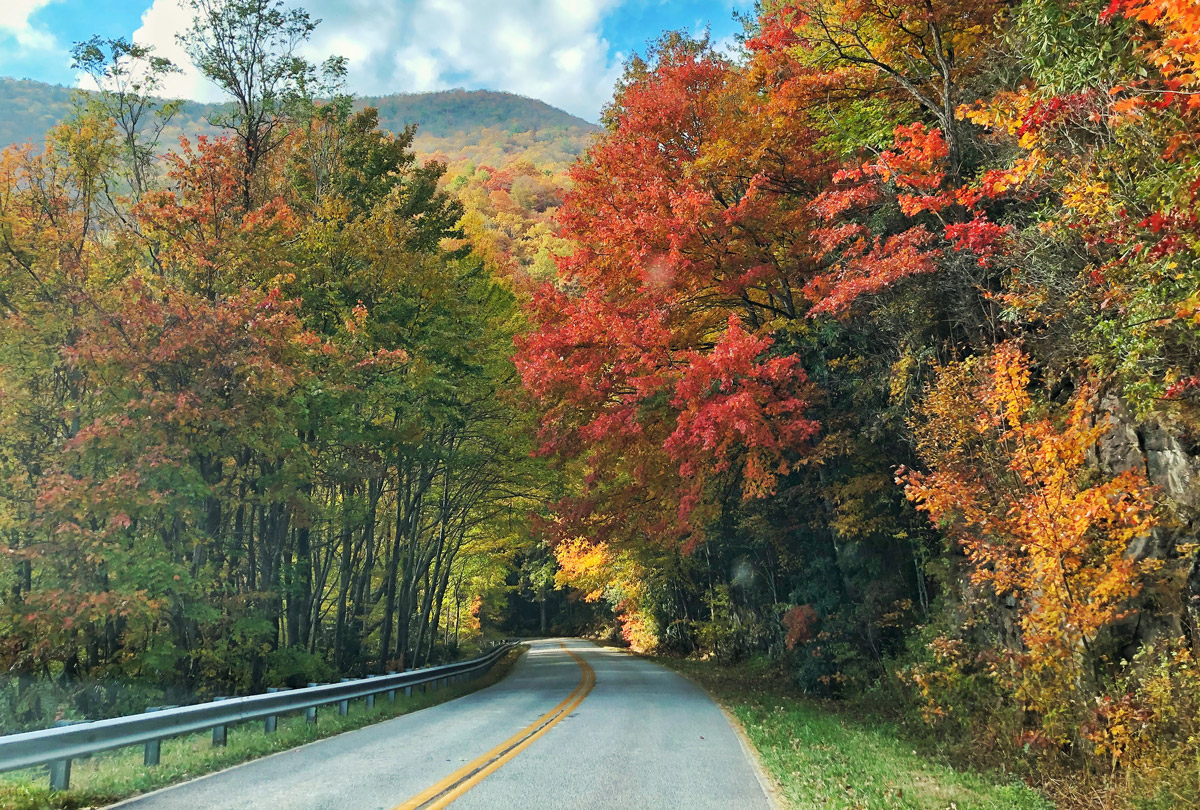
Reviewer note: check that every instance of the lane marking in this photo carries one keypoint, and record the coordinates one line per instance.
(468, 776)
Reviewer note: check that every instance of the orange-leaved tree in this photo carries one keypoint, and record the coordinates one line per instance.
(1012, 485)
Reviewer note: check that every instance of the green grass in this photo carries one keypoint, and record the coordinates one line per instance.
(821, 757)
(117, 775)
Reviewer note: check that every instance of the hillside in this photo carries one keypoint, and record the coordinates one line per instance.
(478, 125)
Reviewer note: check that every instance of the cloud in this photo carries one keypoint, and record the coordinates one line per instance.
(15, 25)
(547, 49)
(160, 23)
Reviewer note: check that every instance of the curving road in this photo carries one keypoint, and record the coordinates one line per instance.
(573, 726)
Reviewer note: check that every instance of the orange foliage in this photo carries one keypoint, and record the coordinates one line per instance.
(1011, 486)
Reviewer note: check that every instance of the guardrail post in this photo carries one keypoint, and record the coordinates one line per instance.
(391, 692)
(152, 752)
(60, 769)
(344, 705)
(271, 723)
(60, 774)
(310, 714)
(220, 734)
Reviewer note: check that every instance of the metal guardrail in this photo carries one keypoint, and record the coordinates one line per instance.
(56, 747)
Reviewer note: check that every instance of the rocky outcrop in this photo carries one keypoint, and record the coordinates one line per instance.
(1157, 449)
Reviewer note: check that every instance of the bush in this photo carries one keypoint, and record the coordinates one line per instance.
(28, 703)
(734, 632)
(297, 667)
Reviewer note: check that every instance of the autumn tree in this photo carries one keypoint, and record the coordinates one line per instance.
(1012, 488)
(128, 78)
(655, 342)
(248, 48)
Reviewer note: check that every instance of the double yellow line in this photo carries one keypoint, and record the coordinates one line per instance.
(474, 772)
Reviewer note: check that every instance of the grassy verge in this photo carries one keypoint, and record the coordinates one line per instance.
(117, 775)
(820, 756)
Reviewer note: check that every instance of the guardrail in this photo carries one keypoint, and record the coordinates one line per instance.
(56, 747)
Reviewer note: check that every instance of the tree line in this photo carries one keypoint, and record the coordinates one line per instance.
(876, 355)
(257, 412)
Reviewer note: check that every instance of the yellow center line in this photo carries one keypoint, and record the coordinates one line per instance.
(474, 772)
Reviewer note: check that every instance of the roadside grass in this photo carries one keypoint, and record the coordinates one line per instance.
(820, 756)
(116, 775)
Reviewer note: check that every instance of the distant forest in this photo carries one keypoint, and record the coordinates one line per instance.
(454, 124)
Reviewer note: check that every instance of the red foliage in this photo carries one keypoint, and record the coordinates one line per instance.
(644, 375)
(202, 227)
(914, 175)
(800, 622)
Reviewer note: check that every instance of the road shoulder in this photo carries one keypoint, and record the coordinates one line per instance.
(813, 756)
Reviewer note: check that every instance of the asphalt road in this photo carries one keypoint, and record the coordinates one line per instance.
(573, 726)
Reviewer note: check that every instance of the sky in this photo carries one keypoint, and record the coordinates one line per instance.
(565, 52)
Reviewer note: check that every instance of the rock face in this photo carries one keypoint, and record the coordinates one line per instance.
(1158, 450)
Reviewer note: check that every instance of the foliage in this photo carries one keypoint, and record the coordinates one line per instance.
(1011, 488)
(258, 424)
(944, 251)
(870, 347)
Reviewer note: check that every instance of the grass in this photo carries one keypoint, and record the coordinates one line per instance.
(120, 774)
(819, 756)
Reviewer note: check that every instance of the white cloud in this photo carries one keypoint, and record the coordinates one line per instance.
(160, 23)
(14, 22)
(547, 49)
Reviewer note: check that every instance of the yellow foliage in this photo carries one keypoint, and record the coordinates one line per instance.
(584, 566)
(1013, 488)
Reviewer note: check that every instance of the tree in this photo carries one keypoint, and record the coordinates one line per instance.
(128, 78)
(927, 48)
(1012, 488)
(248, 48)
(636, 355)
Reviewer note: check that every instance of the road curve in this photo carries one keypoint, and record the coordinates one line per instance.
(573, 726)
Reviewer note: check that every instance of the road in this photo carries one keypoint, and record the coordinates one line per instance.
(573, 726)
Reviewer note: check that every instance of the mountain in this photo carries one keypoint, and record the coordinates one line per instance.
(454, 111)
(480, 126)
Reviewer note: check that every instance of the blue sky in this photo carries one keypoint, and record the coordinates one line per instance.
(567, 52)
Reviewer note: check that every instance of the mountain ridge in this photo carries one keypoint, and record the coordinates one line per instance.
(453, 124)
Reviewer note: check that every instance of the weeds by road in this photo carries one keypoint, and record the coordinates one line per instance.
(821, 757)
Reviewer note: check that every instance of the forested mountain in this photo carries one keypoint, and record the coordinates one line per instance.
(452, 111)
(481, 125)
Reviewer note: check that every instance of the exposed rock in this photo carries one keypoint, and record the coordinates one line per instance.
(1155, 448)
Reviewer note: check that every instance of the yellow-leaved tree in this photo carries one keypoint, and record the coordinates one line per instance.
(1011, 483)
